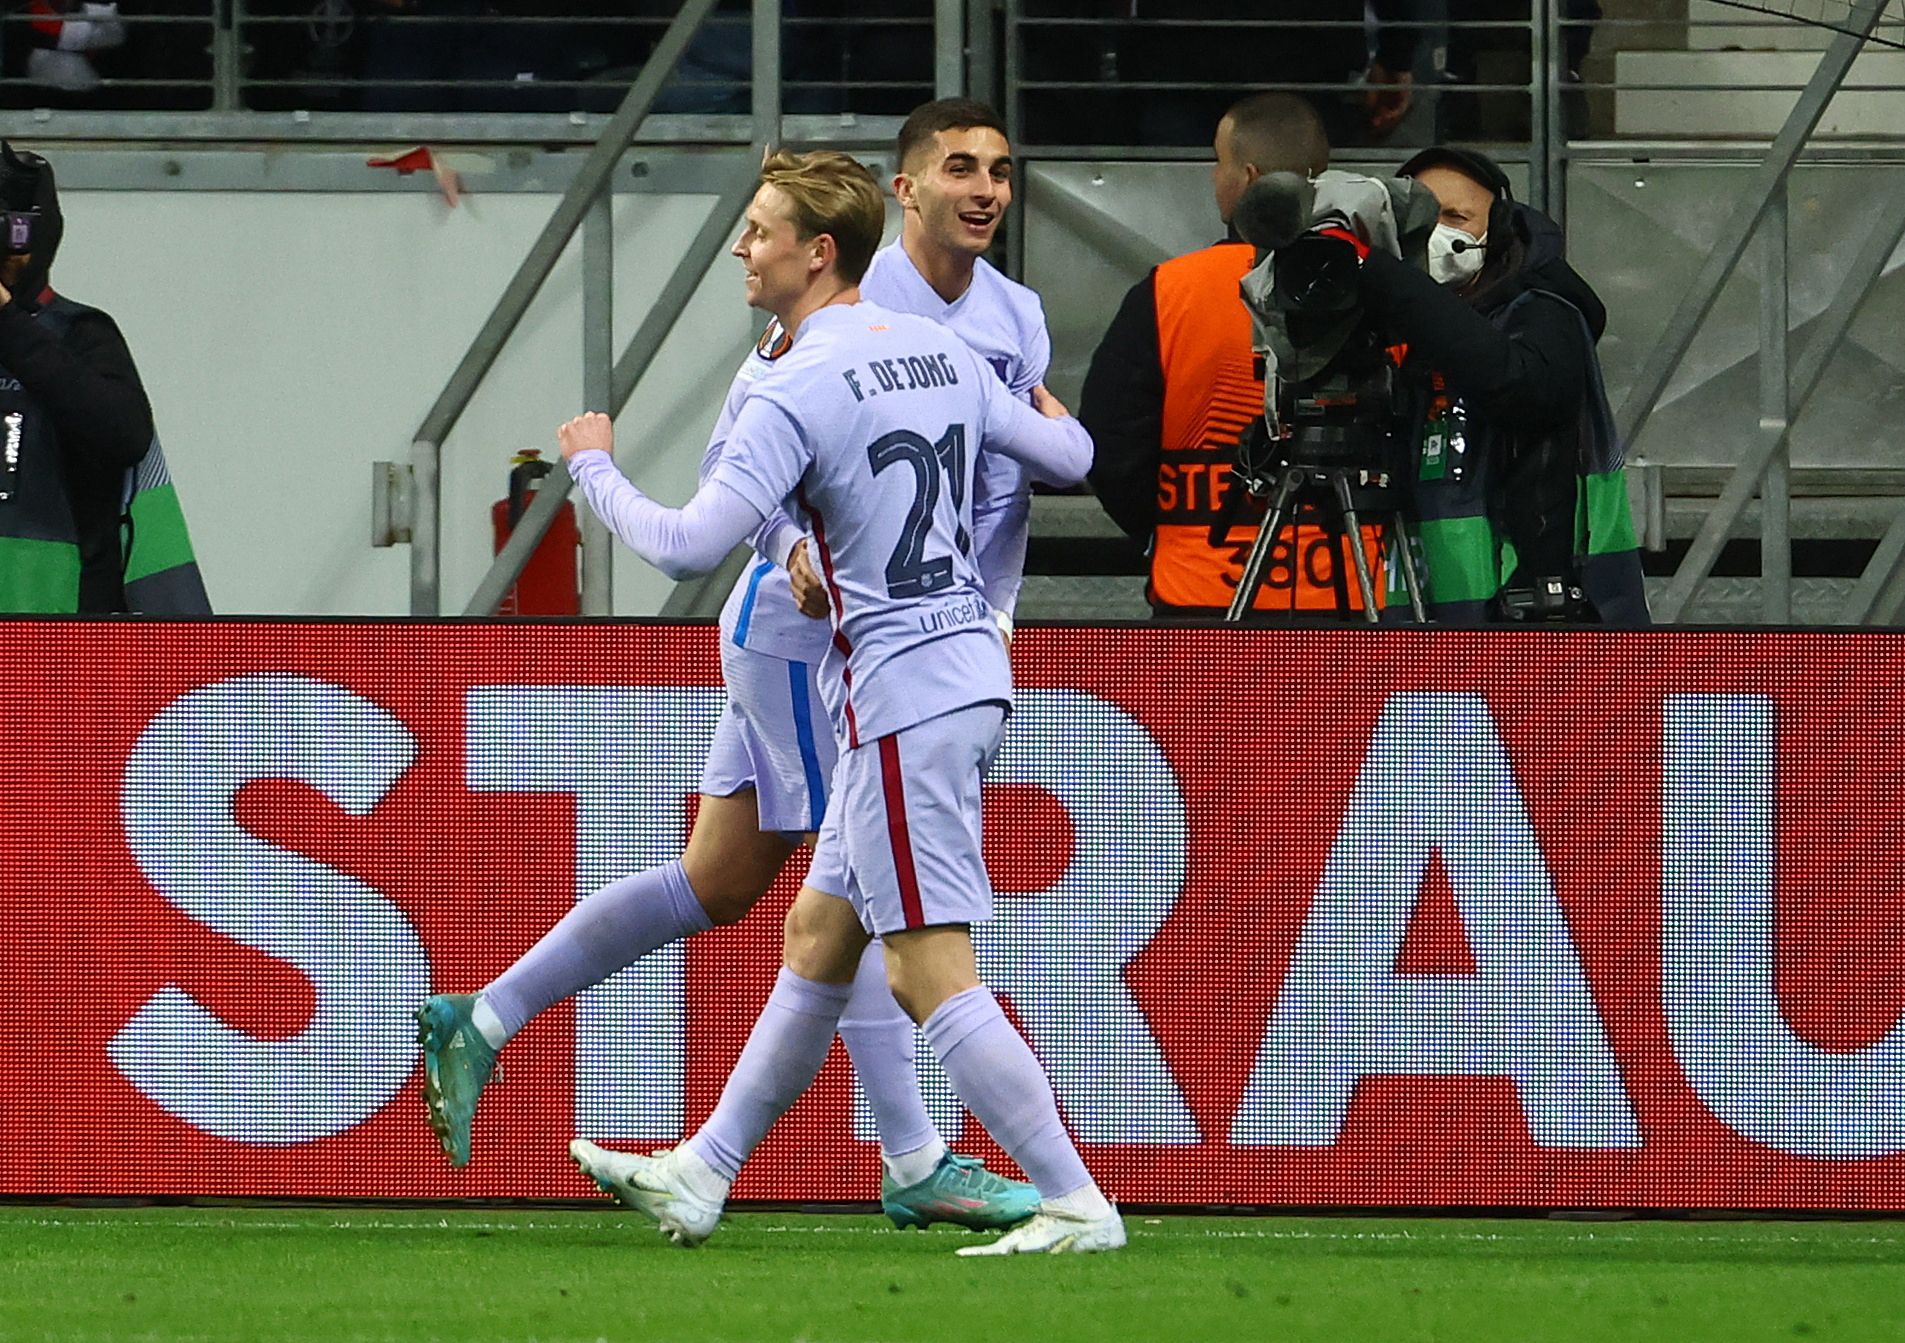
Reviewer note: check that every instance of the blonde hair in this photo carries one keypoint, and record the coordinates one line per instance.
(832, 193)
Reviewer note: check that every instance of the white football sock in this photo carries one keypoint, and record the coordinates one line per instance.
(488, 1024)
(1088, 1203)
(909, 1168)
(703, 1180)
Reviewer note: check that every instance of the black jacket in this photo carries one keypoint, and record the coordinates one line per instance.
(1519, 355)
(1122, 408)
(82, 377)
(1528, 375)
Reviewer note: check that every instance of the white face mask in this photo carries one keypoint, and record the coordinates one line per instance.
(1455, 258)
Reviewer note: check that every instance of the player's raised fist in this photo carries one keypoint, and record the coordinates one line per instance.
(589, 432)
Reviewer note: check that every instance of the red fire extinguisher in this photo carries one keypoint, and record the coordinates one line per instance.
(549, 585)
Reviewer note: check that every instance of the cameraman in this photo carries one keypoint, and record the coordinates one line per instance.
(1521, 507)
(1174, 382)
(86, 507)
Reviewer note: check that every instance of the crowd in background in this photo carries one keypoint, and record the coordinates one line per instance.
(1092, 72)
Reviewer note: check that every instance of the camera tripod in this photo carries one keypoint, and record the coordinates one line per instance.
(1334, 493)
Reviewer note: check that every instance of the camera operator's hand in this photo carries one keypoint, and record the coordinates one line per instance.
(810, 593)
(590, 432)
(1048, 405)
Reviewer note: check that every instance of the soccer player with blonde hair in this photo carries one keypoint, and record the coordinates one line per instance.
(871, 427)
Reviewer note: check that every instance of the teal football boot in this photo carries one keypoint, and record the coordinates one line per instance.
(457, 1061)
(960, 1190)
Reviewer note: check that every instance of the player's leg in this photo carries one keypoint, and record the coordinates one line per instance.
(462, 1033)
(911, 808)
(758, 796)
(921, 1182)
(683, 1189)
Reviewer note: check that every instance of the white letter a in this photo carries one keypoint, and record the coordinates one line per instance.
(1435, 777)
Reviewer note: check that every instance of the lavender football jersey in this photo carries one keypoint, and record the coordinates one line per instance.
(873, 423)
(1004, 323)
(759, 614)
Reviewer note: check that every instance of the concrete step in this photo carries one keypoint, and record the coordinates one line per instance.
(1756, 91)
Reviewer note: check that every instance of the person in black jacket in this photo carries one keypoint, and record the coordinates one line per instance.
(74, 416)
(1522, 508)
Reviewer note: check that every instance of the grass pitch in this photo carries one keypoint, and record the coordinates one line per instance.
(299, 1273)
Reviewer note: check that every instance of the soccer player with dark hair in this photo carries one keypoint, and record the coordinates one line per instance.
(764, 788)
(872, 425)
(766, 777)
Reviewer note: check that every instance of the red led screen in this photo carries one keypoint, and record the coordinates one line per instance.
(1311, 917)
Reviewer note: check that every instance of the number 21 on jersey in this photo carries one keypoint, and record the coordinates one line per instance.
(908, 572)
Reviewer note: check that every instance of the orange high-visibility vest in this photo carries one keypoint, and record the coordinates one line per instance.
(1211, 392)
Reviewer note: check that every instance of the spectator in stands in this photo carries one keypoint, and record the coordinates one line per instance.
(88, 519)
(496, 52)
(59, 41)
(1174, 382)
(1149, 43)
(1503, 55)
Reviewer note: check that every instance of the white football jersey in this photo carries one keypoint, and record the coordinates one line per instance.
(872, 424)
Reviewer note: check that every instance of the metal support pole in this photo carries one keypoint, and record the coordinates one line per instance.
(1015, 132)
(1554, 148)
(1876, 597)
(765, 85)
(668, 307)
(1014, 108)
(949, 48)
(1653, 484)
(598, 367)
(1541, 123)
(1831, 326)
(1664, 358)
(228, 56)
(716, 232)
(982, 51)
(426, 446)
(1775, 372)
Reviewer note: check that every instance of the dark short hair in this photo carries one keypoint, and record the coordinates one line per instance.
(942, 114)
(1279, 133)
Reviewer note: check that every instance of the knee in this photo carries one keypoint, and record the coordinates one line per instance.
(724, 896)
(924, 969)
(819, 948)
(911, 998)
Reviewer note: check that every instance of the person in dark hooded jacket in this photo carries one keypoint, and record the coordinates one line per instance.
(88, 518)
(1521, 507)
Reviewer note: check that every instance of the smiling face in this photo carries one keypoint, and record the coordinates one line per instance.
(779, 263)
(958, 188)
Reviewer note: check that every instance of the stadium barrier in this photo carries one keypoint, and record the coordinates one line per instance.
(1293, 917)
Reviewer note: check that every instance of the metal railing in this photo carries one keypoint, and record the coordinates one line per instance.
(1533, 84)
(408, 499)
(584, 200)
(454, 69)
